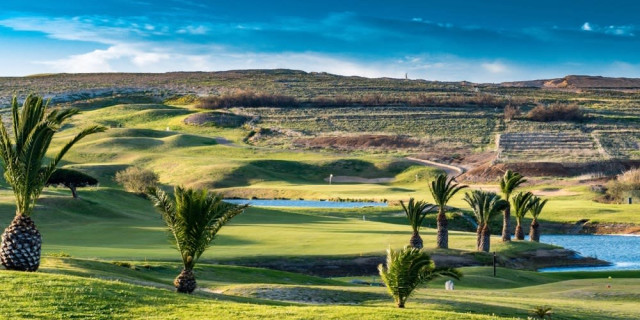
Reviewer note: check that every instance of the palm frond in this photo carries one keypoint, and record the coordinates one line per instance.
(521, 204)
(416, 211)
(443, 188)
(537, 206)
(407, 269)
(23, 155)
(509, 182)
(485, 205)
(193, 217)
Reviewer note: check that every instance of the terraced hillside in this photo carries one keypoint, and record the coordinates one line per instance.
(462, 125)
(547, 146)
(620, 144)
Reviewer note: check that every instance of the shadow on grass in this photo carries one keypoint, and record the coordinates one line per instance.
(299, 172)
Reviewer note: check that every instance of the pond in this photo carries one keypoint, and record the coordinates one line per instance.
(306, 203)
(623, 251)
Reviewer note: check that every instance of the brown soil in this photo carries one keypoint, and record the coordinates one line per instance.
(458, 156)
(359, 142)
(491, 172)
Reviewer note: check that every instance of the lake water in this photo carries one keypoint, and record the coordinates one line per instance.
(622, 251)
(306, 203)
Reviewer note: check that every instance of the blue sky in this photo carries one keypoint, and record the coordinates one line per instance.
(481, 41)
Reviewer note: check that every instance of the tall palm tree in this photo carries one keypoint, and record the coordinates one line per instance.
(536, 208)
(27, 170)
(442, 189)
(485, 206)
(416, 211)
(193, 217)
(521, 203)
(509, 182)
(408, 268)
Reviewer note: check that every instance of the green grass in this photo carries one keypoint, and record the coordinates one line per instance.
(71, 288)
(122, 265)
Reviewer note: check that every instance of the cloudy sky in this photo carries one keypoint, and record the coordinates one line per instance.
(481, 41)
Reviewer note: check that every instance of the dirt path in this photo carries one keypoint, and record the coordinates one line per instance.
(449, 169)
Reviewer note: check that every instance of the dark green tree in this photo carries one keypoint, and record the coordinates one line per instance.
(71, 179)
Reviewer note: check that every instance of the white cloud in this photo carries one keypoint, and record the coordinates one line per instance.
(495, 67)
(195, 30)
(625, 30)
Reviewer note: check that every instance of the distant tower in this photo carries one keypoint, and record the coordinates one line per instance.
(406, 76)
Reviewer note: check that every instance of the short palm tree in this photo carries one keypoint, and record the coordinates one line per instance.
(521, 203)
(509, 182)
(542, 312)
(442, 189)
(485, 206)
(27, 170)
(536, 208)
(416, 211)
(193, 217)
(408, 268)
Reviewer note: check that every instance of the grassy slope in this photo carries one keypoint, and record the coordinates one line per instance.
(109, 223)
(189, 155)
(71, 288)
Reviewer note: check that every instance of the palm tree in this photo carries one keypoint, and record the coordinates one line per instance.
(193, 217)
(521, 203)
(542, 312)
(509, 182)
(416, 211)
(27, 171)
(442, 189)
(408, 268)
(485, 205)
(536, 208)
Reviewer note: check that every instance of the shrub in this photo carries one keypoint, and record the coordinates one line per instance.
(136, 180)
(247, 99)
(626, 184)
(71, 179)
(510, 112)
(556, 112)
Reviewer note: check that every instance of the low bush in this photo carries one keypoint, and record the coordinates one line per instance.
(510, 112)
(136, 180)
(556, 112)
(626, 184)
(247, 99)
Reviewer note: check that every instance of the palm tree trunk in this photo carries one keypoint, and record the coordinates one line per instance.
(185, 282)
(443, 230)
(416, 240)
(479, 237)
(21, 244)
(519, 232)
(506, 224)
(485, 239)
(534, 231)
